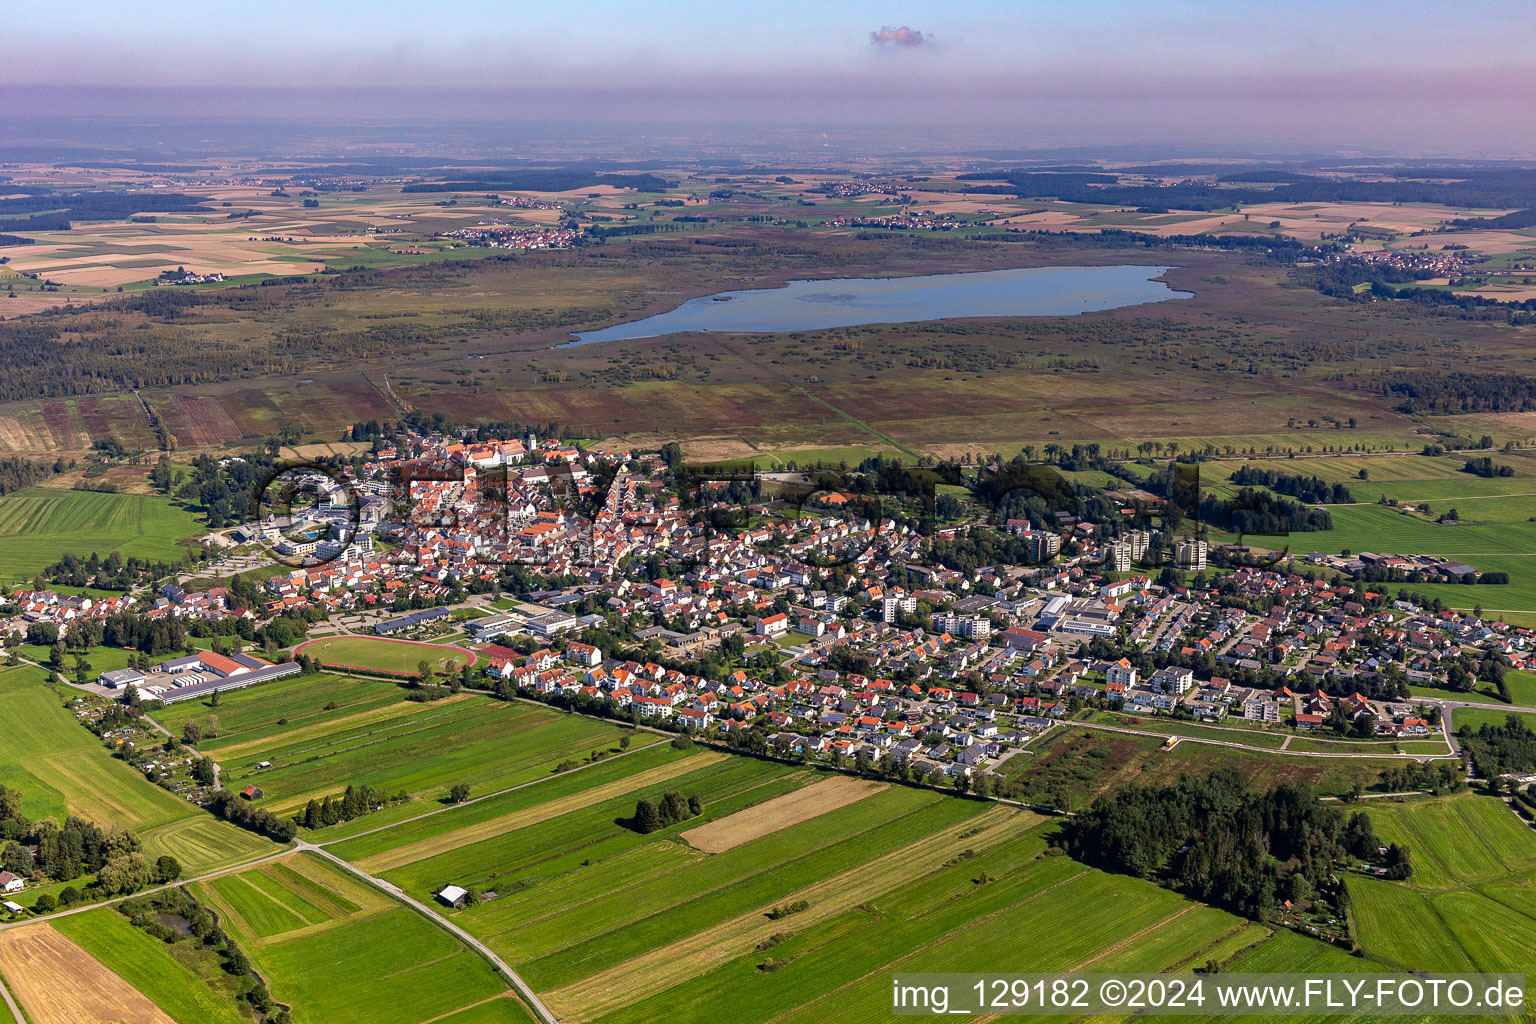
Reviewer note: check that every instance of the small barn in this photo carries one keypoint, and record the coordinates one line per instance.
(251, 793)
(452, 896)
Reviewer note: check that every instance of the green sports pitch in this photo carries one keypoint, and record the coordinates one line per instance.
(383, 655)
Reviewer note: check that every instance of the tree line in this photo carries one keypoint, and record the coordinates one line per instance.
(1498, 749)
(1310, 490)
(47, 850)
(1261, 512)
(355, 802)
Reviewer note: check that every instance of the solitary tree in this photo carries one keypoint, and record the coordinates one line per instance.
(459, 793)
(167, 869)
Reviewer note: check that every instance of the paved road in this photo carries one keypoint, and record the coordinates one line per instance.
(544, 1012)
(5, 990)
(85, 907)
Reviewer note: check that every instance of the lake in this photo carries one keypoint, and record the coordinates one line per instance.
(848, 302)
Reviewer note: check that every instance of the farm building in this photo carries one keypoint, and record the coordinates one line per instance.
(452, 896)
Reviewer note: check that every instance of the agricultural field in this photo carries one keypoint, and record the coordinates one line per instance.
(184, 987)
(1475, 718)
(1069, 768)
(39, 524)
(1467, 906)
(385, 655)
(60, 768)
(611, 925)
(323, 732)
(58, 982)
(1494, 531)
(339, 950)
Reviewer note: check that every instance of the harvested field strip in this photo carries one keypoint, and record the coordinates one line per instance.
(249, 912)
(369, 717)
(330, 900)
(779, 813)
(574, 891)
(203, 843)
(290, 898)
(1149, 929)
(672, 964)
(173, 976)
(286, 755)
(1060, 925)
(551, 924)
(796, 859)
(422, 849)
(402, 743)
(830, 958)
(571, 906)
(57, 982)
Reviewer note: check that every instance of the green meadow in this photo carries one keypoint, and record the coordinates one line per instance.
(1494, 531)
(39, 524)
(183, 986)
(1467, 906)
(340, 951)
(61, 768)
(613, 926)
(322, 733)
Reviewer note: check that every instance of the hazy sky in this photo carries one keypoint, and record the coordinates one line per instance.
(1406, 74)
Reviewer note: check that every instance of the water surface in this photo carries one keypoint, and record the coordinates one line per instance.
(848, 302)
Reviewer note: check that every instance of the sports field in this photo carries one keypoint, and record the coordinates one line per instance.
(611, 925)
(61, 768)
(385, 655)
(1467, 906)
(38, 524)
(322, 733)
(340, 951)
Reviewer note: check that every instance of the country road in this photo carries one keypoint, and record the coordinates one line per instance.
(545, 1014)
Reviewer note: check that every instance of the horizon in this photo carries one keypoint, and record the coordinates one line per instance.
(1187, 74)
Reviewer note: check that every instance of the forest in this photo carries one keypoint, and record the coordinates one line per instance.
(1499, 749)
(1217, 841)
(557, 180)
(1259, 512)
(1449, 393)
(47, 210)
(18, 473)
(1468, 188)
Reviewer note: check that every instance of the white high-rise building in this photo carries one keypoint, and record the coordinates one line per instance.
(1117, 557)
(1190, 554)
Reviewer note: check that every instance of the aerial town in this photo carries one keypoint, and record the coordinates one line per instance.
(855, 644)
